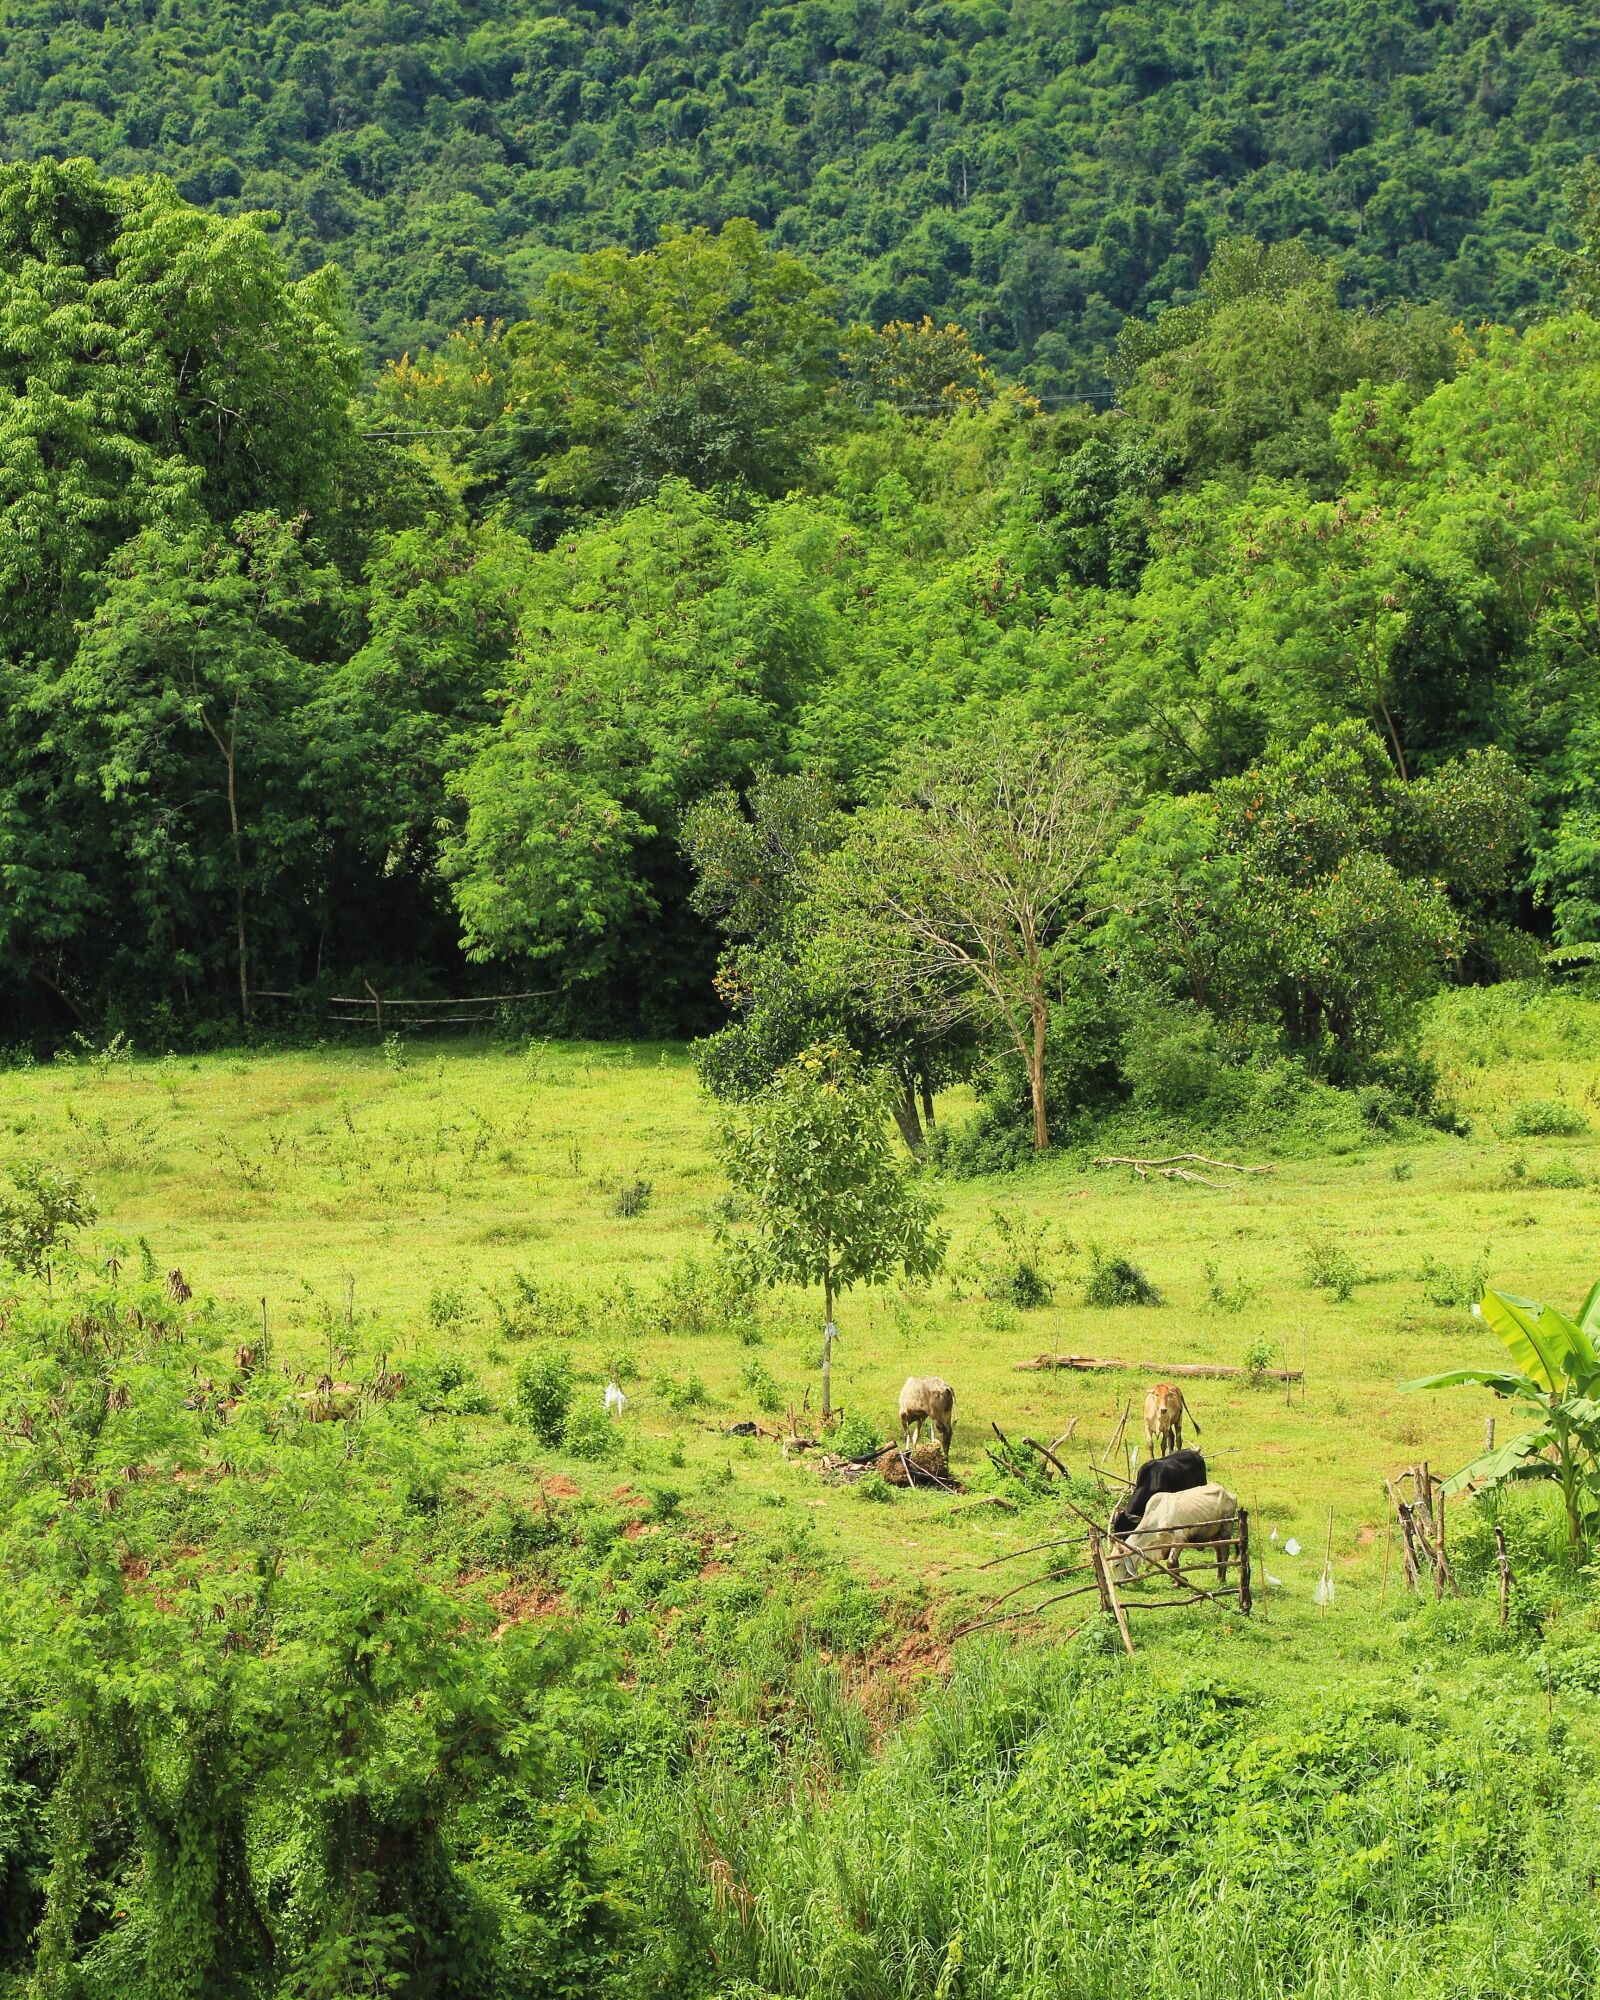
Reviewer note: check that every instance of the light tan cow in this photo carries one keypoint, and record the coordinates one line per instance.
(1198, 1516)
(930, 1400)
(1164, 1412)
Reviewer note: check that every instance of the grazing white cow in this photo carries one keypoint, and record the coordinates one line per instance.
(1173, 1521)
(927, 1399)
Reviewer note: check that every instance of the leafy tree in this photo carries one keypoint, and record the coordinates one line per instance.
(46, 1209)
(705, 359)
(661, 656)
(194, 686)
(1316, 892)
(827, 1204)
(964, 887)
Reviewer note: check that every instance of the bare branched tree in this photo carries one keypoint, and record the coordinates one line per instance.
(961, 889)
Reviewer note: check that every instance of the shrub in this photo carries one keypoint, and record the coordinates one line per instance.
(632, 1199)
(873, 1486)
(1228, 1295)
(682, 1392)
(538, 1309)
(445, 1383)
(758, 1380)
(1258, 1358)
(447, 1306)
(1454, 1284)
(854, 1437)
(1545, 1118)
(588, 1431)
(541, 1393)
(46, 1209)
(1010, 1260)
(1330, 1268)
(1116, 1281)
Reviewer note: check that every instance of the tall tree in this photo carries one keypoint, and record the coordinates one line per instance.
(964, 886)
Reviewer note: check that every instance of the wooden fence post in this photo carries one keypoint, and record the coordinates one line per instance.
(1244, 1561)
(1504, 1563)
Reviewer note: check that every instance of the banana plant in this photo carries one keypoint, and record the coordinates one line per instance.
(1556, 1381)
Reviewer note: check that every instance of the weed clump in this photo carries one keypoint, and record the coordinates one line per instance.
(1330, 1268)
(541, 1393)
(631, 1199)
(1117, 1281)
(1454, 1284)
(1545, 1118)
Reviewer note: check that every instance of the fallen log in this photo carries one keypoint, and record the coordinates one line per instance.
(1178, 1167)
(1095, 1364)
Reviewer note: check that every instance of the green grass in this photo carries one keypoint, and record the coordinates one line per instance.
(828, 1796)
(385, 1199)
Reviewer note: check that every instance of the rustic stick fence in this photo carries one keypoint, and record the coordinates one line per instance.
(1088, 1554)
(1417, 1499)
(381, 1011)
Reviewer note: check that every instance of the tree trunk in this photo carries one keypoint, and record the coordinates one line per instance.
(238, 891)
(1041, 1131)
(905, 1115)
(927, 1099)
(827, 1344)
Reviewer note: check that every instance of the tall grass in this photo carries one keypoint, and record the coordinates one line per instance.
(1055, 1823)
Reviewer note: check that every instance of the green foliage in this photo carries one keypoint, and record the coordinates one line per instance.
(827, 1204)
(42, 1214)
(1545, 1118)
(1115, 1280)
(1329, 1267)
(956, 165)
(1556, 1381)
(541, 1393)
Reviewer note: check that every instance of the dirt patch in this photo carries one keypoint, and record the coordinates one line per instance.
(520, 1603)
(560, 1487)
(1365, 1537)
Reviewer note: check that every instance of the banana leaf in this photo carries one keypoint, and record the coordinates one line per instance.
(1540, 1339)
(1507, 1461)
(1589, 1312)
(1489, 1378)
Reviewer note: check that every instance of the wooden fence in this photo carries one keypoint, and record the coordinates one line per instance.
(385, 1014)
(1088, 1554)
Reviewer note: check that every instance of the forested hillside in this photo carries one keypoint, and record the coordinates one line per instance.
(1035, 170)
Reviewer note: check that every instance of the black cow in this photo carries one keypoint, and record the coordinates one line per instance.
(1175, 1473)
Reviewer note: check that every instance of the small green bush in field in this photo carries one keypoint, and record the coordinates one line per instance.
(1116, 1281)
(589, 1432)
(1330, 1268)
(853, 1436)
(1258, 1357)
(541, 1393)
(1545, 1118)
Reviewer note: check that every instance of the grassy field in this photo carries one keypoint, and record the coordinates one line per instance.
(387, 1199)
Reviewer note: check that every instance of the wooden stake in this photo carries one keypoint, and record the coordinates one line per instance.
(1244, 1561)
(1327, 1564)
(1388, 1543)
(1504, 1563)
(1116, 1435)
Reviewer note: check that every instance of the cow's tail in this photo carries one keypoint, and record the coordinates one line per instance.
(1184, 1400)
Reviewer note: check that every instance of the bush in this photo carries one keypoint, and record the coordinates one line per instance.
(46, 1209)
(854, 1437)
(758, 1380)
(1116, 1281)
(445, 1384)
(1009, 1262)
(1330, 1268)
(589, 1432)
(1258, 1358)
(538, 1309)
(682, 1392)
(1545, 1118)
(1454, 1284)
(632, 1199)
(541, 1393)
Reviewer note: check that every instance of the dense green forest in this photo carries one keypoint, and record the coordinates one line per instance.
(1036, 171)
(566, 635)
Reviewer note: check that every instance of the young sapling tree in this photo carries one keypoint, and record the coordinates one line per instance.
(828, 1202)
